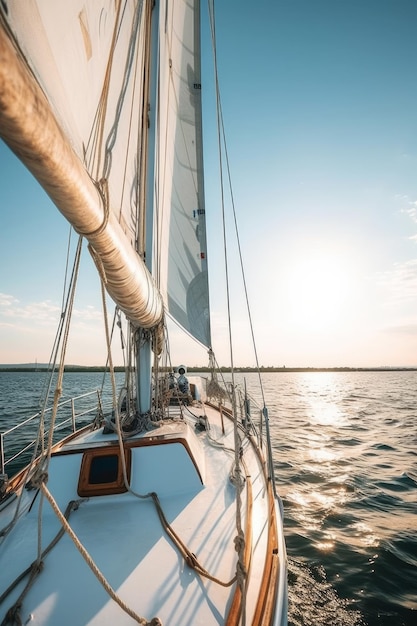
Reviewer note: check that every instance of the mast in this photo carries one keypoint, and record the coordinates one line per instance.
(144, 339)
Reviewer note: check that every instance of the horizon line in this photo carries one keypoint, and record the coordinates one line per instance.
(203, 368)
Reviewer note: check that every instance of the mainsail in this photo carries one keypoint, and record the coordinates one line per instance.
(81, 68)
(180, 195)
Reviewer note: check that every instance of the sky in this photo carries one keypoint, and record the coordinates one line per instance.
(319, 104)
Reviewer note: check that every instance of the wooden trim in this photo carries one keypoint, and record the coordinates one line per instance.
(63, 442)
(134, 443)
(17, 481)
(86, 489)
(233, 616)
(265, 606)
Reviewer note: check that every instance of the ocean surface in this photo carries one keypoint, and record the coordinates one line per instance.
(345, 452)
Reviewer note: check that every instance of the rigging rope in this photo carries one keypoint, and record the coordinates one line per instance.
(240, 539)
(91, 564)
(188, 556)
(224, 143)
(33, 569)
(39, 442)
(102, 106)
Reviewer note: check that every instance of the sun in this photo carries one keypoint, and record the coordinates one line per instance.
(318, 289)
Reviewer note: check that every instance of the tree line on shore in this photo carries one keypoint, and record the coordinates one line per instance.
(202, 369)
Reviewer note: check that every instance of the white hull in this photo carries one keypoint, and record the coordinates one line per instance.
(190, 473)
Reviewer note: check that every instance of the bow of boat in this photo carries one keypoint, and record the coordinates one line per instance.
(189, 542)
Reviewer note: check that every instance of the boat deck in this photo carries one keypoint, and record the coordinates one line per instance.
(125, 538)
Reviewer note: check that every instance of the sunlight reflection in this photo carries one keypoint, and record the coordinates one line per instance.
(325, 488)
(322, 455)
(340, 479)
(364, 536)
(324, 398)
(325, 546)
(313, 501)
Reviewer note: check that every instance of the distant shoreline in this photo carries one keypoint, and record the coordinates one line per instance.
(82, 368)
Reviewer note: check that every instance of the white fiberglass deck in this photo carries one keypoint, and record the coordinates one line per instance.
(125, 538)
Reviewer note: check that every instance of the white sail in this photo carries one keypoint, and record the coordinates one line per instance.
(85, 56)
(85, 140)
(181, 231)
(88, 59)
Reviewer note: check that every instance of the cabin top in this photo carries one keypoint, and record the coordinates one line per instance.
(92, 464)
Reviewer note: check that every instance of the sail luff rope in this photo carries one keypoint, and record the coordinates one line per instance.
(142, 140)
(138, 148)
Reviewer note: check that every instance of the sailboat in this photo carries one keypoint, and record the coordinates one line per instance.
(162, 508)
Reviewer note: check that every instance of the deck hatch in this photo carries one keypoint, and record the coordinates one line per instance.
(101, 472)
(103, 469)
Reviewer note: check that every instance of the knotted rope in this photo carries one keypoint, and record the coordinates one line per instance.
(188, 556)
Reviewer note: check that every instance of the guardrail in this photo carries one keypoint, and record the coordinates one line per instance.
(71, 420)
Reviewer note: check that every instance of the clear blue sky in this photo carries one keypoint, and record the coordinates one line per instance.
(319, 102)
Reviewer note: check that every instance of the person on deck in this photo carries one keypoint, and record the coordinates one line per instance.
(182, 381)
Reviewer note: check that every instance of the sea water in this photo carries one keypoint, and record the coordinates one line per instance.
(345, 454)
